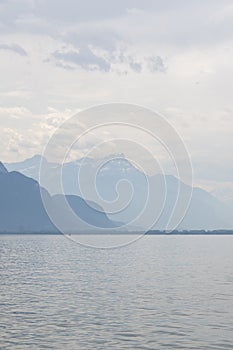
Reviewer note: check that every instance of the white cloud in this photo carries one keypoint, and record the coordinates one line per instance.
(25, 134)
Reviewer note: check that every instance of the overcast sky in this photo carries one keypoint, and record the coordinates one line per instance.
(58, 57)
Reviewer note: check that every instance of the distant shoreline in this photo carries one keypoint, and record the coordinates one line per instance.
(149, 233)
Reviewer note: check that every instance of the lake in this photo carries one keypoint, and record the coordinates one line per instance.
(160, 292)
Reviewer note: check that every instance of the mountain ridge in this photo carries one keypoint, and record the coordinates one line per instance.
(205, 210)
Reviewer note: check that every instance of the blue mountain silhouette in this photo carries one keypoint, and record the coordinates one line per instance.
(205, 211)
(22, 210)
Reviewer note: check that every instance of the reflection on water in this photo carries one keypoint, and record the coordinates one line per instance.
(171, 292)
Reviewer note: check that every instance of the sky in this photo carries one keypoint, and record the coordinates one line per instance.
(59, 57)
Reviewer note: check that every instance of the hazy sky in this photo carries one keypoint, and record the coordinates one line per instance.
(58, 57)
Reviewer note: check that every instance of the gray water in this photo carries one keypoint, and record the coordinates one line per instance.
(170, 292)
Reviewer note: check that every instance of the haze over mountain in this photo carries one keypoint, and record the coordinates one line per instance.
(205, 210)
(22, 210)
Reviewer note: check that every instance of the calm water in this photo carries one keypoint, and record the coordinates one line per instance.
(158, 293)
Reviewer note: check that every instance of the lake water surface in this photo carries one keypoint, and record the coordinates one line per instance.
(161, 292)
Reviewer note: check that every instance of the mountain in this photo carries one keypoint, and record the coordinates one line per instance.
(205, 211)
(29, 167)
(22, 210)
(112, 184)
(3, 169)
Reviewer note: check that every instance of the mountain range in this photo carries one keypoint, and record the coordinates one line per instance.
(112, 184)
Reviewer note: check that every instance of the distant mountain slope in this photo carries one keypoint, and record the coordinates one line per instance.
(29, 167)
(22, 210)
(3, 169)
(205, 211)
